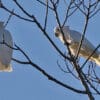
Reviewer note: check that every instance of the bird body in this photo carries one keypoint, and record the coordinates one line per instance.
(73, 38)
(5, 51)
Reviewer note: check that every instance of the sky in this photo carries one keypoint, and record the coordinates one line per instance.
(27, 83)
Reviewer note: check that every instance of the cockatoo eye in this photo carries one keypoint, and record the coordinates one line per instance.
(57, 29)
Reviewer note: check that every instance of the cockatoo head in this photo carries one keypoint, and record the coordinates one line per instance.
(59, 34)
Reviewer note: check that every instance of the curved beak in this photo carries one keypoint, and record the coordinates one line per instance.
(56, 34)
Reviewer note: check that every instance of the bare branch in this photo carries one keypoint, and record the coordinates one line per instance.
(82, 76)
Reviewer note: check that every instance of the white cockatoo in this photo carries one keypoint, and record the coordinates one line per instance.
(5, 50)
(73, 38)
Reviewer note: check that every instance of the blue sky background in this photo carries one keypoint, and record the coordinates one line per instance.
(25, 82)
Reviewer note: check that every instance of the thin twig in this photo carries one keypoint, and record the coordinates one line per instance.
(44, 4)
(71, 71)
(9, 18)
(3, 42)
(94, 13)
(67, 11)
(80, 8)
(21, 62)
(24, 11)
(26, 56)
(15, 14)
(46, 15)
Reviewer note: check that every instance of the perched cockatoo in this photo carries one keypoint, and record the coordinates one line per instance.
(5, 51)
(73, 38)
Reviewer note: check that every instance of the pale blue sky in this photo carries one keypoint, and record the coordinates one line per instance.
(25, 82)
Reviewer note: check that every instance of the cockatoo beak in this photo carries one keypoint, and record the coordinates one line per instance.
(56, 32)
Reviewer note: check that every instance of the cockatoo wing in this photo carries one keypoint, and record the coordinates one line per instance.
(87, 46)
